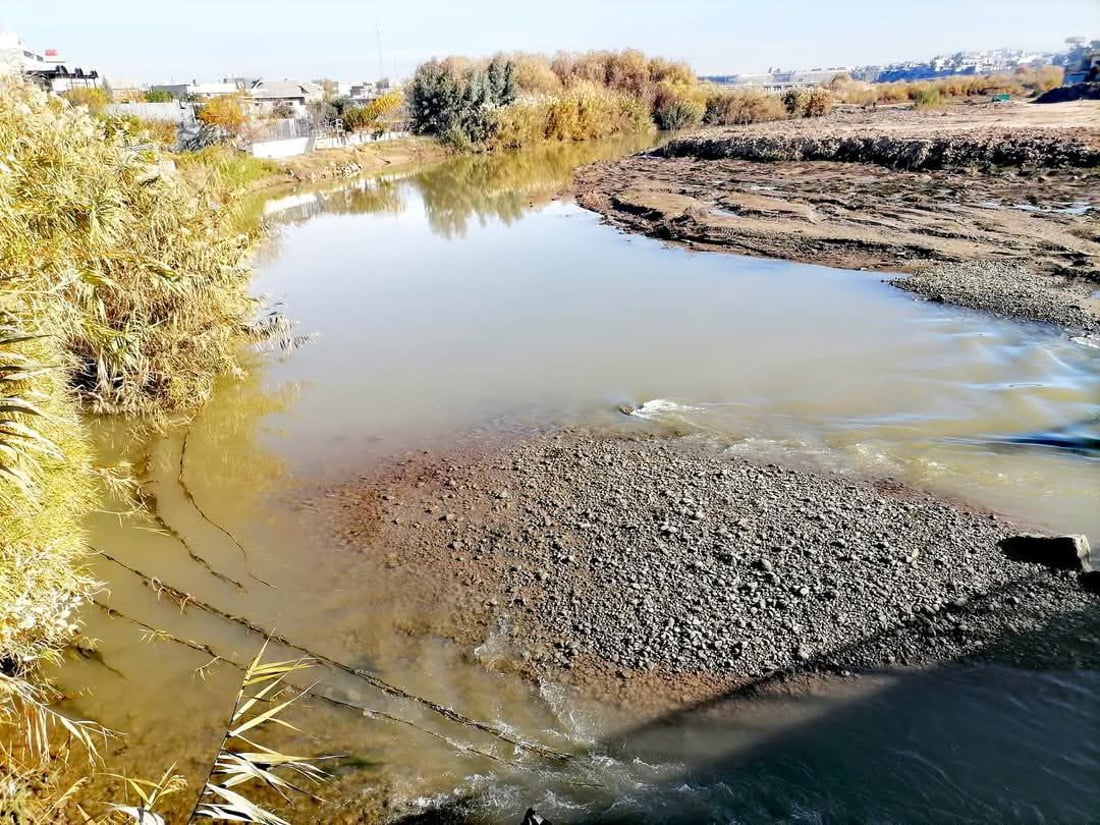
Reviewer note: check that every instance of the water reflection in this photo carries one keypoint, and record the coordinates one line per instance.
(460, 192)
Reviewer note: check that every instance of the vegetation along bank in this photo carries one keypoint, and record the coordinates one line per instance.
(123, 289)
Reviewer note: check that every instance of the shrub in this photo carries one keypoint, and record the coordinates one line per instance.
(819, 102)
(739, 107)
(95, 100)
(122, 287)
(224, 113)
(929, 97)
(675, 107)
(794, 101)
(158, 96)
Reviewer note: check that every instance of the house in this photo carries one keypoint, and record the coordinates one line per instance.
(196, 90)
(46, 68)
(272, 94)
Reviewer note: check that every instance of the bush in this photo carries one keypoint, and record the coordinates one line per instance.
(95, 100)
(584, 112)
(677, 108)
(819, 102)
(794, 101)
(929, 97)
(137, 286)
(739, 107)
(158, 96)
(225, 113)
(161, 132)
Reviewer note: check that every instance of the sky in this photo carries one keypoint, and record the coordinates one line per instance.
(303, 39)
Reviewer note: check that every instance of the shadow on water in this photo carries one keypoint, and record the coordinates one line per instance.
(1080, 438)
(1005, 735)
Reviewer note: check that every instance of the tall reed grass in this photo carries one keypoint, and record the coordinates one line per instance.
(123, 289)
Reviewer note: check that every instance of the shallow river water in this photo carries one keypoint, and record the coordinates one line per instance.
(464, 299)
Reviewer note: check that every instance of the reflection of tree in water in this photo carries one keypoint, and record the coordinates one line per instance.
(502, 186)
(225, 438)
(370, 195)
(486, 187)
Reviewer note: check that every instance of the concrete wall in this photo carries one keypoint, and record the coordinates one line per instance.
(281, 148)
(173, 112)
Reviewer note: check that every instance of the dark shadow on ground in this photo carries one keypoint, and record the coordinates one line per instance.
(1009, 733)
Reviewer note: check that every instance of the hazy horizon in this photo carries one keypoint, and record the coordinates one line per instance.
(339, 38)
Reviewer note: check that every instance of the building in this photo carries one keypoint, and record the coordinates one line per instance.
(47, 67)
(270, 95)
(198, 91)
(16, 56)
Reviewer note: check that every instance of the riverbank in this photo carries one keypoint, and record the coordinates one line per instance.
(365, 158)
(652, 570)
(1008, 189)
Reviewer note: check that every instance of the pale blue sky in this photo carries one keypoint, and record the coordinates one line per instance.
(205, 39)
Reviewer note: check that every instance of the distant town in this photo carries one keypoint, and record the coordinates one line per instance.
(62, 74)
(997, 61)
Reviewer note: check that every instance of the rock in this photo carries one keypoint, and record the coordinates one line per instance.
(627, 409)
(1090, 581)
(1070, 552)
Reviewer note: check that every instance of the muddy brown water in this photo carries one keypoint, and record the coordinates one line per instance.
(464, 299)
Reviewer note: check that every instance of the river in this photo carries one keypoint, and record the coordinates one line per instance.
(465, 301)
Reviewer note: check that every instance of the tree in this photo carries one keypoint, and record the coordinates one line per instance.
(370, 116)
(437, 102)
(501, 80)
(158, 96)
(224, 113)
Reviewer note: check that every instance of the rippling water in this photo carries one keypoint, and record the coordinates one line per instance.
(464, 299)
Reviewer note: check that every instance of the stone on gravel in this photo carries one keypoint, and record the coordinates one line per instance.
(1069, 552)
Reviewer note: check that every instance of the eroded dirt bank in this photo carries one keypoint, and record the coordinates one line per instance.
(655, 569)
(1011, 190)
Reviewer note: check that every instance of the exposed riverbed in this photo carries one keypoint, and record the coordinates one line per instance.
(463, 305)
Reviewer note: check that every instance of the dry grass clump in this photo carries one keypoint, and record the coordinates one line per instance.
(123, 288)
(736, 107)
(583, 112)
(139, 269)
(937, 92)
(46, 488)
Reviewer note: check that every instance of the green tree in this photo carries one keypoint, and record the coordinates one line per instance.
(437, 100)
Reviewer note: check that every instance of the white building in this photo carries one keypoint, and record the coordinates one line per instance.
(17, 56)
(198, 90)
(47, 67)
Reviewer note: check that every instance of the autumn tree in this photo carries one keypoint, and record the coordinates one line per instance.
(225, 113)
(372, 114)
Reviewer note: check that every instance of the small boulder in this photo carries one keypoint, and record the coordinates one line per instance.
(627, 409)
(1069, 552)
(1090, 581)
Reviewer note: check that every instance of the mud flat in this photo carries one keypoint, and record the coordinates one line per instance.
(1010, 191)
(655, 569)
